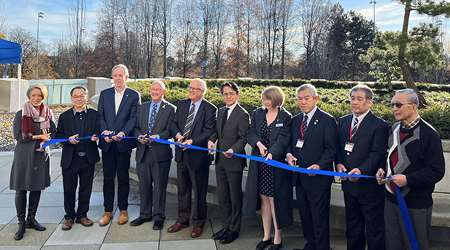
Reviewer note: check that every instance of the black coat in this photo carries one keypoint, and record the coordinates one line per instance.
(234, 136)
(202, 129)
(279, 141)
(66, 129)
(319, 148)
(163, 122)
(368, 154)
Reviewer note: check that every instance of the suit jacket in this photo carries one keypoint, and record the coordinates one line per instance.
(65, 129)
(233, 135)
(279, 142)
(319, 147)
(163, 122)
(124, 120)
(202, 128)
(369, 151)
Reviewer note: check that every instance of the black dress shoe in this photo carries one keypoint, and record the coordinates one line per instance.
(158, 225)
(275, 246)
(139, 221)
(229, 237)
(219, 234)
(33, 223)
(263, 244)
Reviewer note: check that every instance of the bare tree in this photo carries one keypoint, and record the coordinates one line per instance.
(206, 22)
(164, 28)
(286, 25)
(313, 14)
(186, 12)
(219, 21)
(77, 22)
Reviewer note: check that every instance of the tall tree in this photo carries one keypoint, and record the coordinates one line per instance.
(427, 7)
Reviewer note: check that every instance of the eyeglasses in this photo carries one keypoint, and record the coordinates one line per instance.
(229, 94)
(192, 88)
(399, 104)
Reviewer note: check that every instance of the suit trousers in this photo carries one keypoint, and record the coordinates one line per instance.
(153, 177)
(314, 206)
(396, 236)
(189, 180)
(364, 221)
(116, 164)
(79, 170)
(229, 193)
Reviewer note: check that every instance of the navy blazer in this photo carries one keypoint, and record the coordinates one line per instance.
(319, 147)
(124, 120)
(369, 151)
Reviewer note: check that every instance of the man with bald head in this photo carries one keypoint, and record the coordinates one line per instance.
(194, 123)
(153, 120)
(415, 164)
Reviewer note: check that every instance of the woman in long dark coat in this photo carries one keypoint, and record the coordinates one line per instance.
(30, 170)
(270, 187)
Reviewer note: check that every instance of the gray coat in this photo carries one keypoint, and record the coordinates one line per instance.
(30, 169)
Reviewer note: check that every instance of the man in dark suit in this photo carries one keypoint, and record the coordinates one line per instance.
(153, 120)
(313, 146)
(231, 130)
(117, 109)
(194, 123)
(362, 147)
(78, 157)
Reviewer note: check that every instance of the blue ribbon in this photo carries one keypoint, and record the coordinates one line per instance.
(400, 200)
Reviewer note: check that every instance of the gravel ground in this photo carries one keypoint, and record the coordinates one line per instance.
(7, 142)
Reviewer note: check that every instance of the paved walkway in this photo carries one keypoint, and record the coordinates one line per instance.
(112, 237)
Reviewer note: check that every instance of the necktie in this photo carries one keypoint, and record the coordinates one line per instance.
(189, 121)
(224, 118)
(354, 128)
(151, 122)
(303, 127)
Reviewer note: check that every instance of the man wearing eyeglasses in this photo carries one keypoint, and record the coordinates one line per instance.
(193, 124)
(362, 144)
(415, 164)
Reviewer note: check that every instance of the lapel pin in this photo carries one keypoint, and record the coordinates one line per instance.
(316, 121)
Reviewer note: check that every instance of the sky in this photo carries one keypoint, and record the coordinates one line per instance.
(54, 25)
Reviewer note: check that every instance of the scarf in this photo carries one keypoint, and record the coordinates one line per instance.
(42, 115)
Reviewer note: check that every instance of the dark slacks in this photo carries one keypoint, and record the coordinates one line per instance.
(80, 170)
(229, 193)
(116, 164)
(21, 203)
(396, 236)
(314, 206)
(189, 180)
(365, 221)
(153, 177)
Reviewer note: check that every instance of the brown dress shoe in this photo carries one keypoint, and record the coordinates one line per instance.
(67, 224)
(85, 221)
(123, 217)
(106, 219)
(196, 232)
(176, 227)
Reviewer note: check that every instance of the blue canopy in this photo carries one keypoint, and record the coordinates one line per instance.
(10, 52)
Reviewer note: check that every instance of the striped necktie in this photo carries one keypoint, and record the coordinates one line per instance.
(189, 122)
(354, 128)
(152, 120)
(303, 127)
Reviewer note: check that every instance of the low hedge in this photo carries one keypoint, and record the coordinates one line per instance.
(333, 100)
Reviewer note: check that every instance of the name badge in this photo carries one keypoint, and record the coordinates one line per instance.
(279, 125)
(349, 147)
(300, 143)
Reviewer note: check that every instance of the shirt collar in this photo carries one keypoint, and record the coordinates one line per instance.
(360, 117)
(311, 113)
(231, 108)
(197, 103)
(120, 93)
(82, 111)
(412, 124)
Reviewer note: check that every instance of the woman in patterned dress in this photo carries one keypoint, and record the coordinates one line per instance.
(272, 187)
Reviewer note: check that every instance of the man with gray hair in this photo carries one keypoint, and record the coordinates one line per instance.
(415, 164)
(362, 145)
(153, 120)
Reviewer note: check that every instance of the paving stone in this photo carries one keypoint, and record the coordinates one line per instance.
(96, 212)
(7, 214)
(96, 199)
(184, 234)
(131, 246)
(72, 247)
(205, 244)
(7, 200)
(20, 247)
(51, 199)
(50, 214)
(55, 187)
(78, 235)
(31, 237)
(126, 233)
